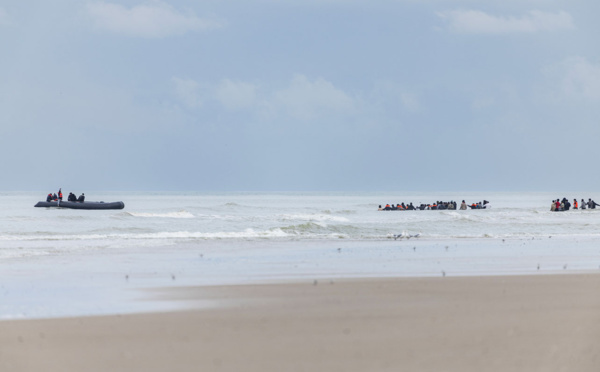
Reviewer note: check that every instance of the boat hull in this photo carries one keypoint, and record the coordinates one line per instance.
(81, 205)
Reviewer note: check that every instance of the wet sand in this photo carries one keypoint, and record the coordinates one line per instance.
(509, 323)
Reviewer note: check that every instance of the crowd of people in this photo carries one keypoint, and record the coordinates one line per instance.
(564, 204)
(438, 205)
(59, 197)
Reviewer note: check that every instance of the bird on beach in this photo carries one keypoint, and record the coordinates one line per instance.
(398, 236)
(407, 236)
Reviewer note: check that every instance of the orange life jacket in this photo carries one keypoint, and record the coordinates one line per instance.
(575, 204)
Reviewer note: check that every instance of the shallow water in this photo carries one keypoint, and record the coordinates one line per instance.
(75, 262)
(152, 219)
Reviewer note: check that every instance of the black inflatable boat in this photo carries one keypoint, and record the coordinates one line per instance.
(81, 205)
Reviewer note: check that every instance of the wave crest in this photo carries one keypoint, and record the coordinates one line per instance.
(312, 218)
(179, 214)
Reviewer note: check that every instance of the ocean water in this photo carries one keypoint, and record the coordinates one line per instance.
(61, 262)
(160, 218)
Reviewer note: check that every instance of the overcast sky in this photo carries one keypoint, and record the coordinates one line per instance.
(266, 95)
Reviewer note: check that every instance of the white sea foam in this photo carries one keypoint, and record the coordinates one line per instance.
(179, 214)
(313, 217)
(305, 216)
(248, 233)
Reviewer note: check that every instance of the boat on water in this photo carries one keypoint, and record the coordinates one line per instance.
(81, 205)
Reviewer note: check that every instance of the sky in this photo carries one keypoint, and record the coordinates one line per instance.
(300, 95)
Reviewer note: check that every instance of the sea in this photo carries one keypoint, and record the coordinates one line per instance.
(63, 262)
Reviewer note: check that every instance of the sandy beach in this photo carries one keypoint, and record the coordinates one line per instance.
(510, 323)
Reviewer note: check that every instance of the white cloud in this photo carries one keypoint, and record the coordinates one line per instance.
(305, 98)
(409, 101)
(482, 102)
(478, 22)
(4, 19)
(188, 91)
(154, 20)
(575, 78)
(236, 95)
(301, 98)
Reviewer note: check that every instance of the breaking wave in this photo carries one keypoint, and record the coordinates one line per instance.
(312, 217)
(180, 214)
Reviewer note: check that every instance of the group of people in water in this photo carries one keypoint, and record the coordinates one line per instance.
(564, 204)
(438, 205)
(59, 197)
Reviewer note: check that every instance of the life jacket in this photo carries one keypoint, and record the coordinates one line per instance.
(387, 205)
(575, 204)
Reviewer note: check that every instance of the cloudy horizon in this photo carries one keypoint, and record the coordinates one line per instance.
(300, 95)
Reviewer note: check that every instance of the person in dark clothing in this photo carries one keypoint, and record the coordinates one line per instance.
(81, 198)
(72, 197)
(54, 197)
(566, 204)
(49, 197)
